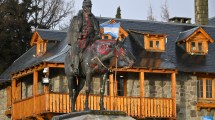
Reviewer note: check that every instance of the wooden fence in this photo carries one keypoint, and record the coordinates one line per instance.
(60, 103)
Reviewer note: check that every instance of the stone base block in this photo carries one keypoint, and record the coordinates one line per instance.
(94, 115)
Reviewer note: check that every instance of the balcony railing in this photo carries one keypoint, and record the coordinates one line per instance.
(60, 103)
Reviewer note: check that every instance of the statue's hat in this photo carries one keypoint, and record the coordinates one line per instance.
(87, 3)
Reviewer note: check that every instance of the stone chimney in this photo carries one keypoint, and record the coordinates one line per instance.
(201, 12)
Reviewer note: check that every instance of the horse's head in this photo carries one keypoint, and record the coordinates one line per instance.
(124, 56)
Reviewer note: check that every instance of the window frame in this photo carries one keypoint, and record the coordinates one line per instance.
(204, 47)
(151, 40)
(204, 88)
(41, 48)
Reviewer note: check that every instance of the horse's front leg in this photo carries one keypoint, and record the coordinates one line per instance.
(102, 90)
(88, 88)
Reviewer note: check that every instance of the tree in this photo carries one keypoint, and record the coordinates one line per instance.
(15, 32)
(150, 14)
(165, 12)
(118, 13)
(49, 13)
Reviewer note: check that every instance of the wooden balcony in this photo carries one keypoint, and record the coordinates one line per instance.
(60, 103)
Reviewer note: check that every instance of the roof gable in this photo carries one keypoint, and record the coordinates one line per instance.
(47, 35)
(197, 32)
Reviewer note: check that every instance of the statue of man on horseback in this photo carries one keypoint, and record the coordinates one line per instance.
(83, 31)
(90, 56)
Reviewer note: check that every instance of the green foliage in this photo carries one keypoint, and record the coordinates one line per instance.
(118, 13)
(15, 32)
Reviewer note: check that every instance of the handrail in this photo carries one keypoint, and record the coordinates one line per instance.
(60, 103)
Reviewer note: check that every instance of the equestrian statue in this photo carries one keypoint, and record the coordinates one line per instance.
(89, 55)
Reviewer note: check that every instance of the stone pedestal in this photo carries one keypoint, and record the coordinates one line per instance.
(94, 115)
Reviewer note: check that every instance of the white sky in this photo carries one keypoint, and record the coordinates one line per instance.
(138, 9)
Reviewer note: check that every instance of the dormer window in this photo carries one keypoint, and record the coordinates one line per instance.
(198, 47)
(195, 40)
(41, 48)
(107, 37)
(154, 42)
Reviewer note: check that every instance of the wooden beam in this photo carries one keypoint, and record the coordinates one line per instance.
(142, 91)
(111, 78)
(141, 84)
(35, 88)
(173, 78)
(143, 70)
(13, 94)
(39, 117)
(55, 65)
(9, 95)
(28, 71)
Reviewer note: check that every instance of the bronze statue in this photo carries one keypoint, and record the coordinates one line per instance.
(89, 56)
(84, 30)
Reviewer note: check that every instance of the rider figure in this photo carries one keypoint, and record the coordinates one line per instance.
(83, 31)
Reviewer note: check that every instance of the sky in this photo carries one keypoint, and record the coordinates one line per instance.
(138, 9)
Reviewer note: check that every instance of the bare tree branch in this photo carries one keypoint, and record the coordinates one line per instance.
(150, 16)
(50, 13)
(165, 12)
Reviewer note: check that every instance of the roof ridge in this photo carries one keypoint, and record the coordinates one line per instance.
(23, 54)
(190, 29)
(50, 30)
(135, 20)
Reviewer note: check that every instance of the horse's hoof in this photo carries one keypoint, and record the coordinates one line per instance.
(74, 111)
(86, 109)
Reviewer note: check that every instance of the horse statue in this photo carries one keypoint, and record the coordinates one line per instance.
(95, 59)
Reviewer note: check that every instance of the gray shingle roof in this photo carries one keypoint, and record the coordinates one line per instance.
(54, 35)
(183, 35)
(211, 21)
(55, 54)
(182, 61)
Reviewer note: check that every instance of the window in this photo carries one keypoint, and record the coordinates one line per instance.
(206, 88)
(107, 37)
(41, 48)
(197, 47)
(121, 85)
(154, 42)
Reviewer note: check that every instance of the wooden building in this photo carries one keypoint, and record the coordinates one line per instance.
(172, 78)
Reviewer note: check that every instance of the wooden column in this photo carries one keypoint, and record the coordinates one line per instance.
(13, 94)
(35, 82)
(35, 88)
(111, 78)
(173, 78)
(142, 90)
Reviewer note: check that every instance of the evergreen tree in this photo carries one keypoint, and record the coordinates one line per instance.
(15, 32)
(118, 13)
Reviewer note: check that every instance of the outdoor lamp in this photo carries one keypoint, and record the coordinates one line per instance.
(46, 78)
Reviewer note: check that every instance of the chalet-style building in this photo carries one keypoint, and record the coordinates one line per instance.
(173, 76)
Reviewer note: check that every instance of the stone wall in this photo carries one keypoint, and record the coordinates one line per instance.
(159, 86)
(186, 99)
(58, 82)
(3, 102)
(156, 85)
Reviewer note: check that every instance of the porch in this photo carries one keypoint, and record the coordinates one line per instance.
(60, 103)
(49, 103)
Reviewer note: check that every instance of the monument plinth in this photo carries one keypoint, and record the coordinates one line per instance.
(94, 115)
